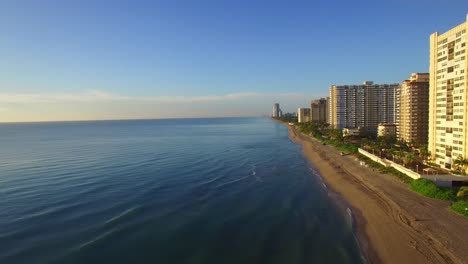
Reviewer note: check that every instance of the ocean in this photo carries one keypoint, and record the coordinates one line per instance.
(221, 190)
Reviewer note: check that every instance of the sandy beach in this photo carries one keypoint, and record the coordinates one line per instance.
(392, 223)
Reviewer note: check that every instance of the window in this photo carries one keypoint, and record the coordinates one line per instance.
(442, 41)
(441, 59)
(451, 50)
(449, 69)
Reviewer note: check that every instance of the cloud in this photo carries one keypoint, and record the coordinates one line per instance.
(98, 104)
(102, 96)
(86, 96)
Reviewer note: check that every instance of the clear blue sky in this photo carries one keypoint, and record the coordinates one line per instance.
(92, 59)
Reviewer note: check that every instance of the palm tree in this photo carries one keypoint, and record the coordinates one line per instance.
(399, 154)
(392, 153)
(460, 163)
(409, 158)
(323, 128)
(364, 142)
(374, 146)
(336, 134)
(464, 164)
(463, 193)
(424, 153)
(413, 143)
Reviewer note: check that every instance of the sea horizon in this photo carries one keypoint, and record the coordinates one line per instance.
(133, 119)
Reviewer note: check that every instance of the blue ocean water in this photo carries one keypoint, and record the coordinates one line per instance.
(231, 190)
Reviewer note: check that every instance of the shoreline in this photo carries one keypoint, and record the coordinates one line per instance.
(392, 224)
(367, 253)
(346, 211)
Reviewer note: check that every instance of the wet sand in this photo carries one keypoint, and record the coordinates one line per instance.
(392, 223)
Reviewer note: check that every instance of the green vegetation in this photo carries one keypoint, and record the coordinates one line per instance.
(316, 130)
(387, 170)
(460, 207)
(386, 142)
(408, 159)
(460, 164)
(432, 164)
(288, 117)
(333, 137)
(347, 148)
(429, 189)
(463, 193)
(424, 153)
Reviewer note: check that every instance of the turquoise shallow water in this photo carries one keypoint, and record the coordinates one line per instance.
(233, 190)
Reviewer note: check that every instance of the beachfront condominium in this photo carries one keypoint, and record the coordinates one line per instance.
(448, 124)
(412, 109)
(276, 111)
(363, 106)
(303, 115)
(319, 110)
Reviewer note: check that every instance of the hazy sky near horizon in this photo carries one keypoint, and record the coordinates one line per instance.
(75, 60)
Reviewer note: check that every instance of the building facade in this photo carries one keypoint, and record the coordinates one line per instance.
(303, 115)
(448, 96)
(363, 106)
(276, 111)
(386, 130)
(319, 110)
(412, 109)
(351, 132)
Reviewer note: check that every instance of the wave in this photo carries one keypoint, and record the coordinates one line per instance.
(222, 185)
(97, 239)
(116, 220)
(122, 216)
(350, 215)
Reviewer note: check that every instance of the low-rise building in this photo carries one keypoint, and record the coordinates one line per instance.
(386, 130)
(349, 132)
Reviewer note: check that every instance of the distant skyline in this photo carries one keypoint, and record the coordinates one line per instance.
(85, 60)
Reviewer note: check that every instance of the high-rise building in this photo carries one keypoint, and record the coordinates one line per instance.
(319, 110)
(448, 115)
(303, 115)
(363, 106)
(412, 109)
(276, 111)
